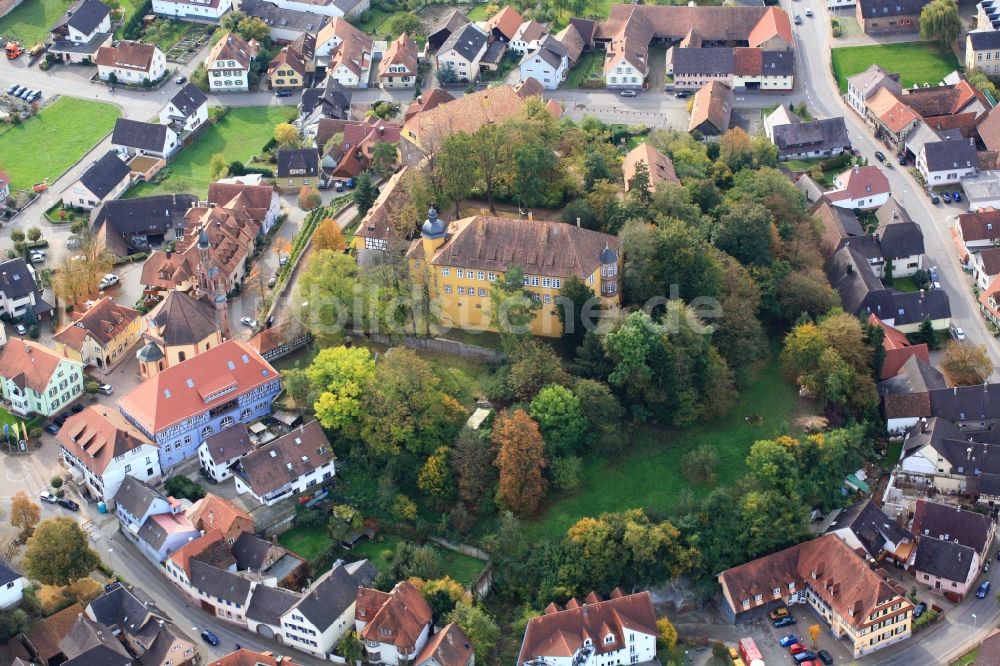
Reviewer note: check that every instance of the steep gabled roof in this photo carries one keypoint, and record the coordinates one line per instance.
(31, 365)
(135, 56)
(774, 23)
(98, 435)
(448, 647)
(952, 523)
(334, 592)
(397, 617)
(506, 21)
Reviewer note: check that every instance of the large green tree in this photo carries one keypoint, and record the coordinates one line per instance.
(576, 303)
(481, 629)
(341, 377)
(58, 553)
(492, 153)
(940, 21)
(557, 411)
(405, 408)
(329, 288)
(668, 260)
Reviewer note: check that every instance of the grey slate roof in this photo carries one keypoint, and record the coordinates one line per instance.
(152, 533)
(84, 16)
(494, 53)
(870, 525)
(335, 590)
(468, 41)
(290, 19)
(268, 604)
(967, 403)
(146, 215)
(983, 40)
(898, 235)
(135, 496)
(105, 174)
(933, 433)
(304, 159)
(218, 583)
(101, 655)
(7, 573)
(250, 551)
(952, 523)
(136, 134)
(184, 320)
(809, 188)
(817, 135)
(16, 280)
(448, 23)
(944, 559)
(687, 62)
(873, 9)
(230, 443)
(188, 99)
(777, 63)
(872, 79)
(85, 635)
(953, 154)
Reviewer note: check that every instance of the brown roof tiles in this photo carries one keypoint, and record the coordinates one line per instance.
(98, 435)
(103, 322)
(397, 617)
(127, 55)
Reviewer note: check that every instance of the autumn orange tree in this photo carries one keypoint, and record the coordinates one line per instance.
(520, 459)
(328, 237)
(24, 515)
(309, 198)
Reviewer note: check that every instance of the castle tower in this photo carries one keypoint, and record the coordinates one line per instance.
(210, 285)
(609, 272)
(433, 233)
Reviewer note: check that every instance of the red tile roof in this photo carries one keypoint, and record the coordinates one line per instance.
(661, 169)
(898, 349)
(245, 657)
(507, 21)
(127, 55)
(397, 617)
(183, 555)
(448, 647)
(773, 23)
(29, 364)
(103, 322)
(864, 181)
(98, 435)
(185, 390)
(559, 633)
(832, 569)
(212, 512)
(891, 112)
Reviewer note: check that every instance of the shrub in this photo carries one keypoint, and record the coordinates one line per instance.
(184, 488)
(566, 472)
(56, 482)
(699, 466)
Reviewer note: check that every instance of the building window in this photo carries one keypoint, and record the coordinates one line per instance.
(445, 272)
(226, 422)
(460, 273)
(461, 291)
(447, 289)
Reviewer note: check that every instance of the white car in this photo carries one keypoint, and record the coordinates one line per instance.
(46, 496)
(21, 330)
(109, 280)
(809, 13)
(957, 332)
(106, 389)
(248, 322)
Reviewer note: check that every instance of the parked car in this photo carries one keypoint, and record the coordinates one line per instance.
(628, 93)
(248, 322)
(983, 590)
(77, 408)
(784, 622)
(957, 333)
(61, 418)
(825, 657)
(338, 185)
(106, 389)
(180, 79)
(932, 273)
(11, 88)
(803, 657)
(283, 93)
(919, 610)
(35, 95)
(986, 567)
(778, 613)
(934, 198)
(46, 496)
(67, 503)
(21, 330)
(282, 259)
(809, 13)
(681, 94)
(789, 640)
(798, 20)
(901, 159)
(880, 156)
(956, 197)
(946, 197)
(209, 637)
(108, 280)
(796, 648)
(53, 428)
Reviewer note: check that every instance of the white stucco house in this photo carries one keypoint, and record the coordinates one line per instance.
(219, 453)
(12, 586)
(186, 111)
(947, 162)
(100, 449)
(192, 10)
(132, 63)
(862, 187)
(287, 466)
(228, 64)
(394, 626)
(548, 64)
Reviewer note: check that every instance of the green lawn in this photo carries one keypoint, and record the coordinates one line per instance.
(905, 284)
(165, 33)
(30, 22)
(916, 62)
(462, 568)
(649, 475)
(587, 63)
(310, 543)
(238, 136)
(376, 17)
(478, 12)
(53, 140)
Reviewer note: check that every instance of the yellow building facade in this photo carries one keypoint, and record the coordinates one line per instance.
(463, 260)
(102, 335)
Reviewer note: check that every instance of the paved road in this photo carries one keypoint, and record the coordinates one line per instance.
(970, 622)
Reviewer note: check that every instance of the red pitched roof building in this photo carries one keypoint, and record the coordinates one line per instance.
(394, 625)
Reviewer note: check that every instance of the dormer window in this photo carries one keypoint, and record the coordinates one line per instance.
(609, 639)
(587, 642)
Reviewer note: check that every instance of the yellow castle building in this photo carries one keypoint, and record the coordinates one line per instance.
(463, 259)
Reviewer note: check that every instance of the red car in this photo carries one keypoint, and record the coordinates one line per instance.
(795, 648)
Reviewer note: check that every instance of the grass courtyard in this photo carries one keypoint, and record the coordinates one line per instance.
(650, 475)
(240, 135)
(53, 140)
(30, 22)
(916, 62)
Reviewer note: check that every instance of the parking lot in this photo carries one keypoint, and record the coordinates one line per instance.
(768, 637)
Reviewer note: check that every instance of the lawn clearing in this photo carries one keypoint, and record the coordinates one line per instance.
(307, 542)
(29, 23)
(478, 12)
(376, 17)
(916, 62)
(649, 475)
(905, 284)
(240, 135)
(585, 66)
(50, 142)
(460, 567)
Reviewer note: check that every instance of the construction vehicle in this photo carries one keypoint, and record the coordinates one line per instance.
(13, 50)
